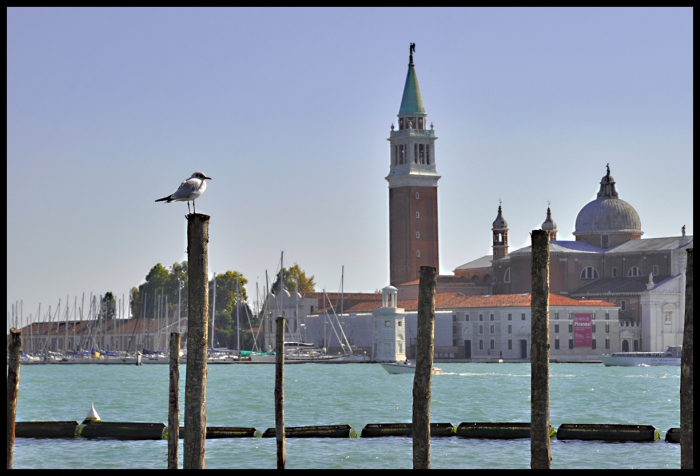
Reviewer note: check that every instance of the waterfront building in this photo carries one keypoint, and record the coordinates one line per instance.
(609, 260)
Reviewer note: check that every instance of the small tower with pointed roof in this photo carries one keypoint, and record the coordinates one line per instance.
(549, 226)
(500, 236)
(413, 212)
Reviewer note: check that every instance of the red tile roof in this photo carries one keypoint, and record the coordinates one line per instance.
(449, 300)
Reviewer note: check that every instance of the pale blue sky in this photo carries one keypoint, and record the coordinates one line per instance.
(288, 110)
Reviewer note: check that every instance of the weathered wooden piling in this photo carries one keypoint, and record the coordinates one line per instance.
(198, 311)
(174, 401)
(687, 371)
(423, 378)
(540, 445)
(12, 390)
(279, 396)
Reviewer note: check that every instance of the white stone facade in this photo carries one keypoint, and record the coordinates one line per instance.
(389, 336)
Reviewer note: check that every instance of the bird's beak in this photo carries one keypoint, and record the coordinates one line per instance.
(207, 178)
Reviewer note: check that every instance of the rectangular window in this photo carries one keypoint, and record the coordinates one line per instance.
(607, 328)
(592, 343)
(312, 310)
(493, 344)
(398, 323)
(481, 345)
(481, 317)
(593, 328)
(571, 343)
(614, 272)
(636, 345)
(492, 332)
(466, 317)
(491, 317)
(556, 344)
(556, 316)
(510, 345)
(510, 329)
(604, 241)
(387, 323)
(607, 343)
(481, 329)
(556, 328)
(510, 317)
(623, 305)
(655, 270)
(607, 316)
(571, 328)
(522, 316)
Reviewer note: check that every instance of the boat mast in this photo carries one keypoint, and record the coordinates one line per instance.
(213, 314)
(342, 277)
(267, 309)
(238, 318)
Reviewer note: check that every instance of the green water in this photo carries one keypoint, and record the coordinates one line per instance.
(354, 394)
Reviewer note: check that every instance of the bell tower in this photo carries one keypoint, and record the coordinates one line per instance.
(413, 212)
(500, 236)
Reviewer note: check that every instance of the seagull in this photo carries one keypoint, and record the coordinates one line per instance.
(189, 189)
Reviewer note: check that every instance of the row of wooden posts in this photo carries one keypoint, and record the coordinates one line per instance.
(195, 385)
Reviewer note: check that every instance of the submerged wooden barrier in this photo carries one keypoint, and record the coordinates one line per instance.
(328, 431)
(607, 432)
(46, 429)
(497, 430)
(214, 432)
(374, 430)
(122, 430)
(673, 435)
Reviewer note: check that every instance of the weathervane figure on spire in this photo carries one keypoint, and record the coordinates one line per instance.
(608, 167)
(411, 49)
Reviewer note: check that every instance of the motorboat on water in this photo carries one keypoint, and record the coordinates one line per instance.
(405, 367)
(670, 356)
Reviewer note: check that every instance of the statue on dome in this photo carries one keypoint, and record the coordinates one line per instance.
(411, 49)
(607, 166)
(683, 230)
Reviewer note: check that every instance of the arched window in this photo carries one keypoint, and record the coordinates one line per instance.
(634, 271)
(655, 270)
(417, 254)
(614, 272)
(417, 234)
(506, 276)
(589, 272)
(417, 195)
(417, 214)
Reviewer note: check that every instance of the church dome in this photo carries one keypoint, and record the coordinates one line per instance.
(548, 224)
(607, 214)
(500, 223)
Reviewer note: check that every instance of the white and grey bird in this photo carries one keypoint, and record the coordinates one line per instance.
(190, 189)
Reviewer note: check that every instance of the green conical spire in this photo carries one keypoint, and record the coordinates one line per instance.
(412, 101)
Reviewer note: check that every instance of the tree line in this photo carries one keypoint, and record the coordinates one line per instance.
(162, 284)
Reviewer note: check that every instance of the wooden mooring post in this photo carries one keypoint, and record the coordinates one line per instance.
(423, 378)
(279, 396)
(540, 446)
(687, 370)
(12, 390)
(174, 401)
(198, 312)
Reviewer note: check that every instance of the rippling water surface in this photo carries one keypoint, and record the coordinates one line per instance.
(354, 394)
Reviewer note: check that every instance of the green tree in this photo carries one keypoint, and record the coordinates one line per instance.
(295, 280)
(108, 306)
(160, 282)
(230, 293)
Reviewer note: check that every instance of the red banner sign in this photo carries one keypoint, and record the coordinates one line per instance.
(582, 330)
